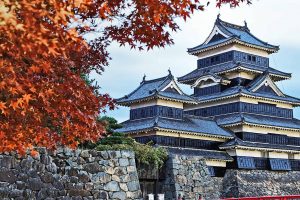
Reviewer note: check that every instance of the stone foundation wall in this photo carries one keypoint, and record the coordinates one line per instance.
(246, 183)
(218, 184)
(188, 176)
(65, 174)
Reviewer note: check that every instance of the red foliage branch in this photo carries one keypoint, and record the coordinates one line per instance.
(44, 51)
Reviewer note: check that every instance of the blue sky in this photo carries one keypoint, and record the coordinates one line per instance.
(274, 21)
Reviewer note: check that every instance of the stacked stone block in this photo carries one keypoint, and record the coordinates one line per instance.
(66, 174)
(255, 183)
(188, 176)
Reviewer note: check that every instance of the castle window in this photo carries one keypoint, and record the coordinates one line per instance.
(253, 58)
(249, 58)
(142, 113)
(280, 164)
(170, 112)
(245, 162)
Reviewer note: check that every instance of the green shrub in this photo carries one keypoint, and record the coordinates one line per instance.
(116, 138)
(144, 153)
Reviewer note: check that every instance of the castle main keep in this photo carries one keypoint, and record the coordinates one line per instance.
(237, 119)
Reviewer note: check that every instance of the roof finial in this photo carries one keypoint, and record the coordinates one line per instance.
(218, 16)
(144, 79)
(170, 73)
(245, 24)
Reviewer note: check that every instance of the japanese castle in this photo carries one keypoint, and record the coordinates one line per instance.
(237, 118)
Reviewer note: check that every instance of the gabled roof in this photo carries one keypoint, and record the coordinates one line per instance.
(231, 66)
(225, 33)
(163, 88)
(189, 124)
(258, 120)
(262, 81)
(238, 143)
(210, 76)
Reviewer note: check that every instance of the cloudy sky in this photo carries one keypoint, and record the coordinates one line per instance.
(274, 21)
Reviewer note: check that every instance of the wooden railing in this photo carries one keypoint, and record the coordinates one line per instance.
(290, 197)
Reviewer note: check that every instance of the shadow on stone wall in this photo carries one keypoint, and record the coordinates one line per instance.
(66, 174)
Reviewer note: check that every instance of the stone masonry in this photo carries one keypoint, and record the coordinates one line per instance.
(188, 176)
(66, 174)
(251, 183)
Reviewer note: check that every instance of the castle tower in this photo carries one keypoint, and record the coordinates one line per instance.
(235, 86)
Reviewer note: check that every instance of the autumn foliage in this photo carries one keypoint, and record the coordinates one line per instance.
(46, 47)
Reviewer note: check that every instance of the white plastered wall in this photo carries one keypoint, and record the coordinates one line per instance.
(264, 130)
(256, 101)
(175, 134)
(232, 75)
(282, 155)
(215, 163)
(160, 102)
(230, 47)
(242, 152)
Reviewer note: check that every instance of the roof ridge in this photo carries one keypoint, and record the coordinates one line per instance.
(198, 117)
(224, 23)
(154, 80)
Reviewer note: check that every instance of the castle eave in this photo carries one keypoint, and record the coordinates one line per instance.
(231, 41)
(128, 103)
(259, 149)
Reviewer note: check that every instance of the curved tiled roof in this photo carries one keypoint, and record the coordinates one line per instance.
(153, 89)
(240, 143)
(259, 120)
(230, 66)
(206, 154)
(189, 124)
(234, 34)
(244, 91)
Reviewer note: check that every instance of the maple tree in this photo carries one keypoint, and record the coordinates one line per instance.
(44, 51)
